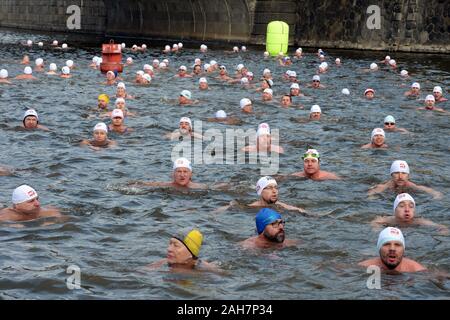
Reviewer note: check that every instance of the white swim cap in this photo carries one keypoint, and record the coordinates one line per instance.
(147, 77)
(69, 63)
(263, 129)
(377, 131)
(23, 193)
(239, 67)
(30, 112)
(321, 56)
(266, 54)
(235, 49)
(206, 66)
(202, 80)
(373, 66)
(221, 114)
(399, 166)
(146, 66)
(162, 65)
(129, 59)
(415, 85)
(3, 74)
(101, 126)
(186, 119)
(250, 74)
(182, 163)
(28, 70)
(140, 72)
(295, 86)
(166, 61)
(404, 73)
(387, 58)
(155, 61)
(293, 74)
(167, 48)
(29, 42)
(183, 68)
(244, 102)
(40, 44)
(203, 47)
(117, 113)
(175, 46)
(119, 100)
(403, 197)
(390, 119)
(144, 46)
(64, 46)
(392, 62)
(213, 62)
(244, 80)
(55, 42)
(53, 67)
(430, 97)
(269, 91)
(337, 60)
(65, 70)
(180, 45)
(390, 234)
(266, 71)
(99, 61)
(223, 67)
(94, 59)
(121, 85)
(134, 46)
(123, 45)
(345, 91)
(39, 61)
(300, 50)
(315, 108)
(197, 61)
(437, 89)
(324, 65)
(186, 93)
(316, 77)
(263, 183)
(369, 90)
(244, 48)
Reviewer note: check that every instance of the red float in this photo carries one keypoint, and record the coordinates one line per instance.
(111, 57)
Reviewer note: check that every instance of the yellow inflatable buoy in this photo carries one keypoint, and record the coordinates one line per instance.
(277, 37)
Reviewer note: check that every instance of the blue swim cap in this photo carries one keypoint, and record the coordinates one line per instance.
(116, 73)
(264, 217)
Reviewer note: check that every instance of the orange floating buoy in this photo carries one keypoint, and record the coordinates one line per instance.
(111, 57)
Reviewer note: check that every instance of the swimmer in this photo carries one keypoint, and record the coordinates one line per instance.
(182, 73)
(30, 120)
(65, 72)
(139, 79)
(377, 140)
(120, 104)
(311, 168)
(167, 49)
(222, 117)
(110, 78)
(246, 105)
(148, 69)
(400, 183)
(181, 177)
(26, 206)
(223, 74)
(239, 69)
(267, 74)
(389, 125)
(263, 141)
(100, 138)
(415, 90)
(386, 60)
(404, 215)
(298, 53)
(185, 98)
(437, 93)
(372, 68)
(52, 69)
(93, 65)
(316, 83)
(369, 94)
(4, 76)
(391, 249)
(294, 90)
(146, 80)
(27, 74)
(183, 254)
(430, 104)
(175, 48)
(286, 101)
(315, 113)
(102, 102)
(292, 76)
(25, 60)
(155, 64)
(404, 74)
(338, 62)
(39, 65)
(203, 48)
(323, 67)
(267, 190)
(393, 64)
(270, 229)
(117, 125)
(121, 91)
(267, 95)
(184, 131)
(265, 84)
(285, 61)
(203, 84)
(197, 70)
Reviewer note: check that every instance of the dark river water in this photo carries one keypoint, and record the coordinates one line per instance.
(114, 229)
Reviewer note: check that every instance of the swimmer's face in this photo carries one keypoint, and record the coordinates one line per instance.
(28, 207)
(244, 71)
(247, 109)
(285, 101)
(315, 115)
(222, 72)
(197, 70)
(102, 103)
(26, 59)
(400, 178)
(311, 165)
(110, 76)
(389, 126)
(378, 140)
(155, 64)
(120, 105)
(437, 95)
(203, 85)
(185, 127)
(293, 79)
(181, 72)
(100, 135)
(405, 211)
(30, 122)
(270, 194)
(266, 96)
(264, 84)
(429, 103)
(316, 84)
(139, 77)
(391, 253)
(182, 176)
(370, 95)
(415, 90)
(183, 100)
(121, 91)
(177, 253)
(117, 121)
(274, 231)
(295, 92)
(288, 62)
(264, 141)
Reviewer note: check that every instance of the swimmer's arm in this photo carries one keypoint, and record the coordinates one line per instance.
(443, 230)
(434, 193)
(290, 208)
(378, 189)
(151, 183)
(210, 266)
(378, 223)
(403, 130)
(155, 265)
(112, 144)
(85, 142)
(43, 127)
(224, 208)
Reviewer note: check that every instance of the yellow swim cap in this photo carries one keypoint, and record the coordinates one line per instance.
(193, 241)
(104, 96)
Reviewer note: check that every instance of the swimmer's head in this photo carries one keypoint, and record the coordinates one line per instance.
(389, 122)
(221, 114)
(186, 94)
(267, 94)
(129, 60)
(147, 77)
(337, 61)
(30, 119)
(373, 66)
(203, 48)
(65, 70)
(185, 124)
(39, 62)
(404, 73)
(121, 85)
(53, 67)
(392, 63)
(315, 112)
(415, 85)
(377, 132)
(100, 132)
(123, 45)
(391, 247)
(23, 194)
(265, 217)
(180, 45)
(266, 54)
(117, 113)
(27, 70)
(69, 63)
(3, 74)
(101, 126)
(266, 72)
(144, 46)
(239, 67)
(29, 43)
(244, 80)
(263, 130)
(182, 163)
(120, 103)
(235, 49)
(103, 99)
(263, 183)
(369, 93)
(246, 105)
(64, 46)
(437, 89)
(191, 240)
(399, 171)
(316, 80)
(404, 207)
(55, 42)
(345, 91)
